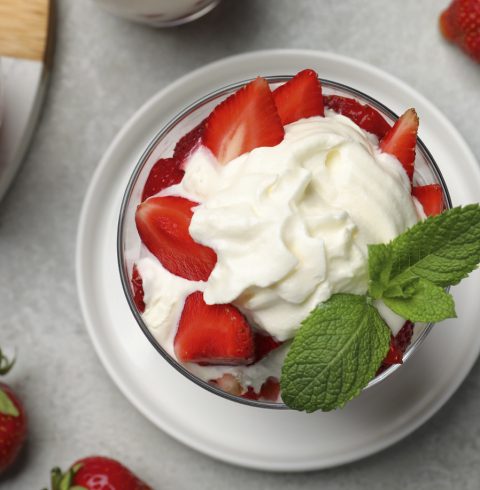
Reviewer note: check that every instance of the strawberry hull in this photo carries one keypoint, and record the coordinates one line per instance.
(249, 349)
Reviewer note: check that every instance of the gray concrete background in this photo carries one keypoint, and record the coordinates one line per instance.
(105, 68)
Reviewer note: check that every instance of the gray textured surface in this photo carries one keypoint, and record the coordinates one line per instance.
(104, 70)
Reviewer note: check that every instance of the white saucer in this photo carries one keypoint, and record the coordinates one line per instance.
(252, 437)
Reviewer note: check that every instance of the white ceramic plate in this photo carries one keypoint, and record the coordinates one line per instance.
(252, 437)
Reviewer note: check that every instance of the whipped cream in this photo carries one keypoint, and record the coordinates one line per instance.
(164, 297)
(290, 224)
(253, 375)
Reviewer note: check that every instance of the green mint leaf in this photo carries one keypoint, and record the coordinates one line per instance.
(442, 249)
(379, 268)
(334, 355)
(429, 303)
(410, 272)
(6, 405)
(405, 290)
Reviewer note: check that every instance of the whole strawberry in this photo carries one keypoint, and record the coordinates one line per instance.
(96, 473)
(13, 421)
(460, 23)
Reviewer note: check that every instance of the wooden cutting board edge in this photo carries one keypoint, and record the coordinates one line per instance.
(27, 29)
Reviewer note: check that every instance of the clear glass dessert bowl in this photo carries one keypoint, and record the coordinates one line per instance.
(162, 146)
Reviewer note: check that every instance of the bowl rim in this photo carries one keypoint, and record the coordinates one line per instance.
(143, 159)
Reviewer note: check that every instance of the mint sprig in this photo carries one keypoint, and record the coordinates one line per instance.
(341, 344)
(443, 249)
(410, 272)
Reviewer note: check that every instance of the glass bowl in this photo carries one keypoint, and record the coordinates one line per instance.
(162, 145)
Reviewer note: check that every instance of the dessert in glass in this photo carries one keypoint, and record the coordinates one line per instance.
(255, 205)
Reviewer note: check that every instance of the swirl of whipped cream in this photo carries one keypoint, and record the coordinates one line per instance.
(290, 224)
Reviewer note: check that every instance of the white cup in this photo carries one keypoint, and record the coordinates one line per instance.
(159, 13)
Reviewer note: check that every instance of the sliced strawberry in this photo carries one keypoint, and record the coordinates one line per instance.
(401, 139)
(137, 285)
(365, 116)
(394, 355)
(213, 334)
(165, 173)
(250, 394)
(246, 120)
(169, 171)
(188, 143)
(299, 97)
(270, 390)
(404, 336)
(162, 223)
(229, 383)
(430, 197)
(399, 344)
(264, 344)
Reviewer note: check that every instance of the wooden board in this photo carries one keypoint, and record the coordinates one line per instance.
(26, 49)
(24, 28)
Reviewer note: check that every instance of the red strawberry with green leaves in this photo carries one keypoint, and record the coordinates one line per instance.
(13, 420)
(300, 97)
(162, 223)
(460, 24)
(246, 120)
(401, 139)
(96, 473)
(363, 115)
(213, 334)
(430, 197)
